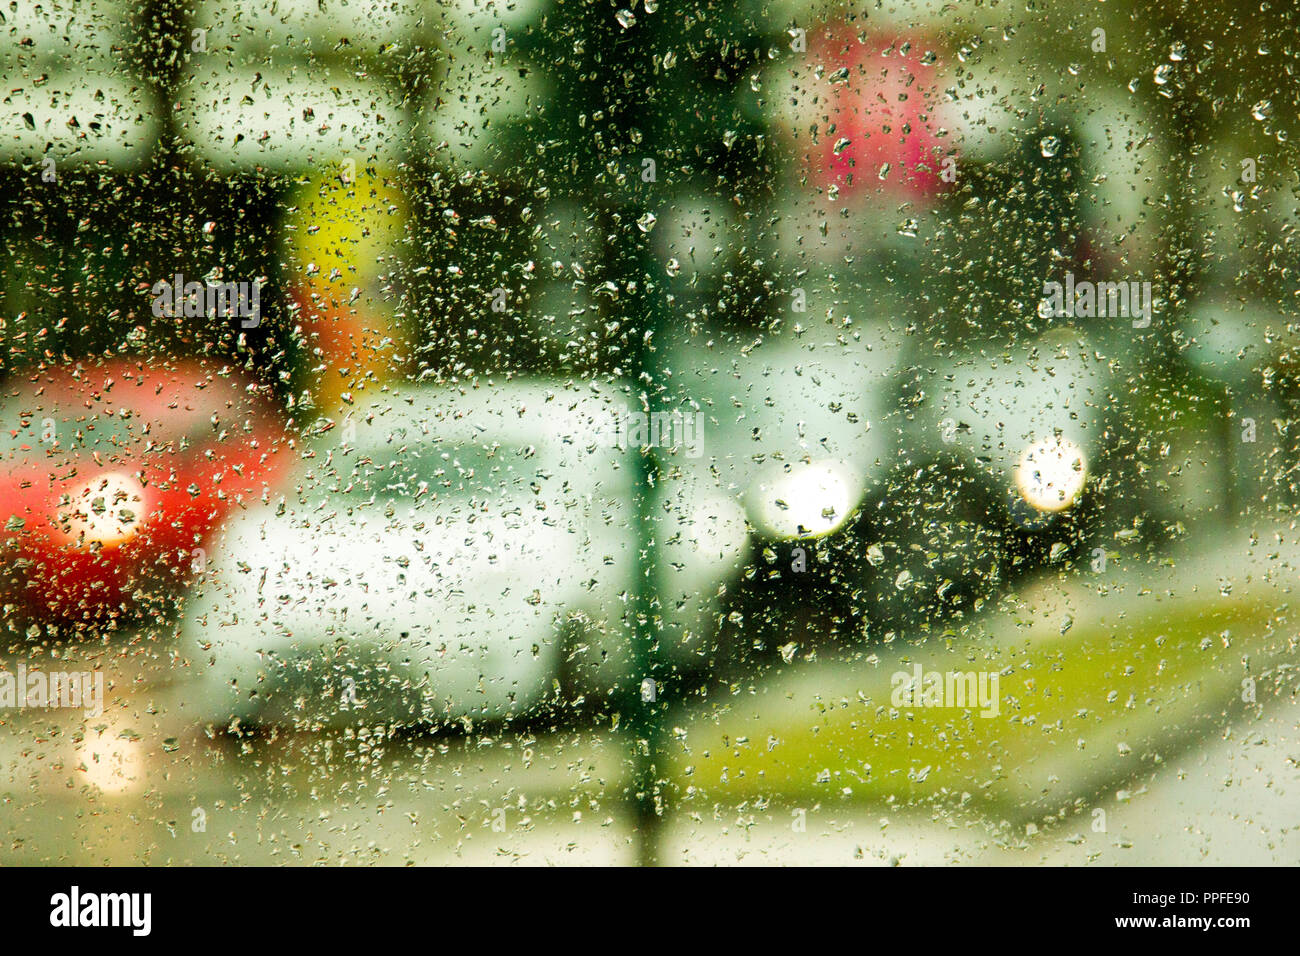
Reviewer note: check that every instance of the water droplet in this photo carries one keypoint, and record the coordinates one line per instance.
(1050, 145)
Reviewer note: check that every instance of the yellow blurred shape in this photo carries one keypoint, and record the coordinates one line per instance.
(344, 228)
(343, 233)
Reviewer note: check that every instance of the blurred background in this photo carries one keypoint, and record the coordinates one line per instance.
(547, 432)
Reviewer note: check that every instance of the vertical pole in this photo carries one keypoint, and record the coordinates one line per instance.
(646, 725)
(646, 703)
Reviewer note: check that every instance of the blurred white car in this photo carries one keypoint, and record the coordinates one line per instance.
(1029, 416)
(452, 553)
(803, 426)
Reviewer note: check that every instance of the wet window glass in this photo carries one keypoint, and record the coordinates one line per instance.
(473, 431)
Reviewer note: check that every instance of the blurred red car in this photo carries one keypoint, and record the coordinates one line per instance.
(113, 473)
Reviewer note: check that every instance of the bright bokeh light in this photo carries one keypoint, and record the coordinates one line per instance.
(107, 510)
(807, 500)
(1051, 474)
(113, 761)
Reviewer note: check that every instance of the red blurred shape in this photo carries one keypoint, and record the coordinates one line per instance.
(122, 471)
(885, 108)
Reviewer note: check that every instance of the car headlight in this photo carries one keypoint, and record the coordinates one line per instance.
(108, 510)
(1051, 473)
(804, 500)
